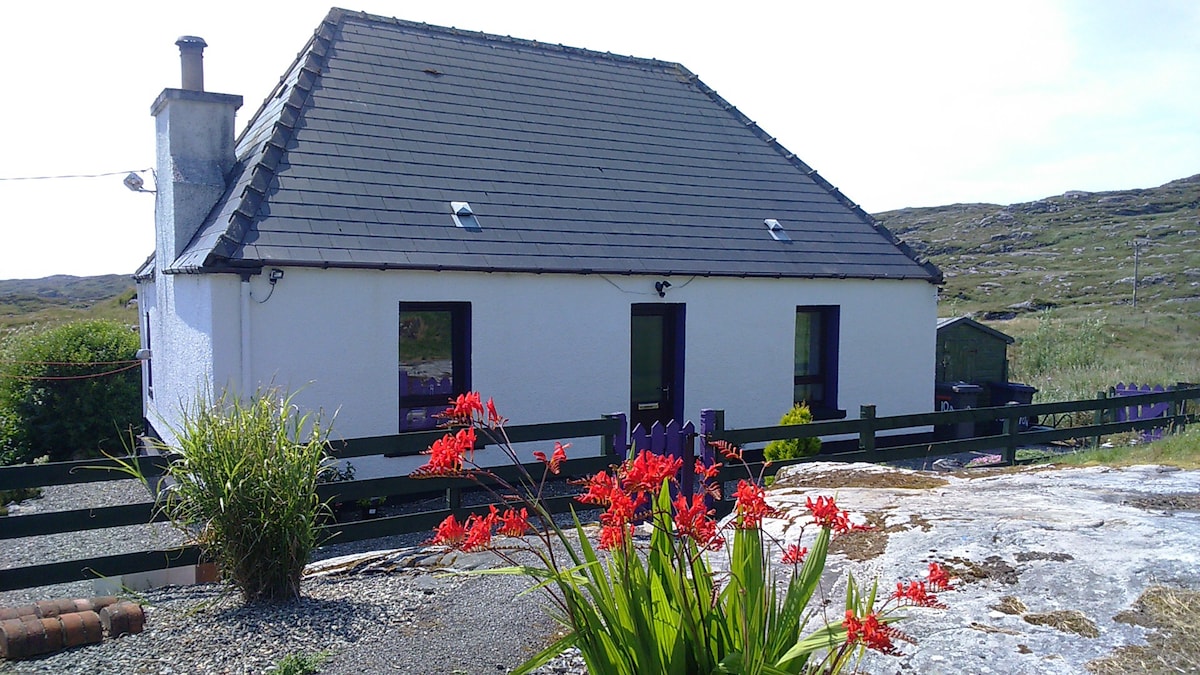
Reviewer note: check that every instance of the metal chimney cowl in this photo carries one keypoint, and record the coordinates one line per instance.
(191, 57)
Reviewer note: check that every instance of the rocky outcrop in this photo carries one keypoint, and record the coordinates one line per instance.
(1050, 563)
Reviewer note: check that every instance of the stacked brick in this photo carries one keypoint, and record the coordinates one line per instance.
(52, 625)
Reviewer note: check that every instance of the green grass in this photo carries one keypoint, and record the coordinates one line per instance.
(300, 664)
(1181, 450)
(61, 299)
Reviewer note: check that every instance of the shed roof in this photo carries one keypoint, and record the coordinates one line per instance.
(571, 160)
(968, 321)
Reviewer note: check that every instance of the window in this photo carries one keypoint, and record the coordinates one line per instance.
(815, 372)
(435, 359)
(145, 356)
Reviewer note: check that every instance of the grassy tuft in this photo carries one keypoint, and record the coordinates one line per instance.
(300, 664)
(1181, 450)
(1174, 647)
(245, 476)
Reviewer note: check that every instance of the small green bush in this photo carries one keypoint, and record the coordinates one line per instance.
(1056, 346)
(245, 488)
(793, 448)
(70, 392)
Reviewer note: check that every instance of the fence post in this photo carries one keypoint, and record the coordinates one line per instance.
(711, 420)
(618, 443)
(866, 435)
(1099, 418)
(1012, 428)
(1179, 406)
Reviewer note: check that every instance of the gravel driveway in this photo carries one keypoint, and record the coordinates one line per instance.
(415, 620)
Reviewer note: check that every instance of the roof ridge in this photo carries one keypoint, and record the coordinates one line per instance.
(812, 173)
(337, 14)
(307, 67)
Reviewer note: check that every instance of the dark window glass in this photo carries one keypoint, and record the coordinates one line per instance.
(815, 369)
(434, 359)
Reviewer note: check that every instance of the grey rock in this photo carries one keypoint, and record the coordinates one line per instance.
(1084, 539)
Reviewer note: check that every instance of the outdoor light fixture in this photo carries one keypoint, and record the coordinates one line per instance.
(135, 183)
(276, 275)
(661, 287)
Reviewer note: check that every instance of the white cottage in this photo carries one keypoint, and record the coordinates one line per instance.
(418, 211)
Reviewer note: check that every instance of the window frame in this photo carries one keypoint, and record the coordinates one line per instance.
(826, 375)
(460, 355)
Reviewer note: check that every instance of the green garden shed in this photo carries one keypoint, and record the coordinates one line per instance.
(968, 351)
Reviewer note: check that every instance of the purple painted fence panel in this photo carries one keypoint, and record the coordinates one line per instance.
(1136, 413)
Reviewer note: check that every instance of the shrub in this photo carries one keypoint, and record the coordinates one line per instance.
(793, 448)
(245, 489)
(1055, 346)
(69, 392)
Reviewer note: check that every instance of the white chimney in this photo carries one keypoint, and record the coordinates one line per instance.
(195, 139)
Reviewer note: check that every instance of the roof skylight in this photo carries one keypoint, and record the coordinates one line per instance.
(464, 217)
(776, 230)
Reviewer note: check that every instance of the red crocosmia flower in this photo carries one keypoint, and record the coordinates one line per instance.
(559, 456)
(600, 488)
(794, 555)
(871, 632)
(938, 578)
(826, 514)
(554, 464)
(465, 442)
(479, 531)
(751, 506)
(648, 470)
(622, 508)
(494, 419)
(917, 594)
(464, 408)
(728, 450)
(693, 521)
(449, 533)
(514, 523)
(446, 454)
(614, 536)
(707, 473)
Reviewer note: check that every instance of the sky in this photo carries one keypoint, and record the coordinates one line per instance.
(896, 103)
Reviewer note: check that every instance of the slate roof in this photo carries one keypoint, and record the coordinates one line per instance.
(572, 160)
(968, 321)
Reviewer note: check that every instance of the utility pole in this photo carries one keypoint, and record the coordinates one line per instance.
(1137, 244)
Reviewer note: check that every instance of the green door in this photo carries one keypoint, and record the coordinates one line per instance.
(656, 369)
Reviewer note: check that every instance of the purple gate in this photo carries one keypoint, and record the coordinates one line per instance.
(1136, 413)
(672, 439)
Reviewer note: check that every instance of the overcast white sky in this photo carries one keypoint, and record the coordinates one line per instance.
(896, 103)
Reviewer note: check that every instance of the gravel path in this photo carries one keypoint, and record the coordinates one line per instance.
(416, 620)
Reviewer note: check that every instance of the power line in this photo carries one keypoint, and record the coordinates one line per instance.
(70, 363)
(77, 175)
(40, 378)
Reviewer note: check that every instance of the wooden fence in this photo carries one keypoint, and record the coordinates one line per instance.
(1182, 408)
(611, 430)
(866, 445)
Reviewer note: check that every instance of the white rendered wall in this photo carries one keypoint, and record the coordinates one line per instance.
(194, 333)
(556, 347)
